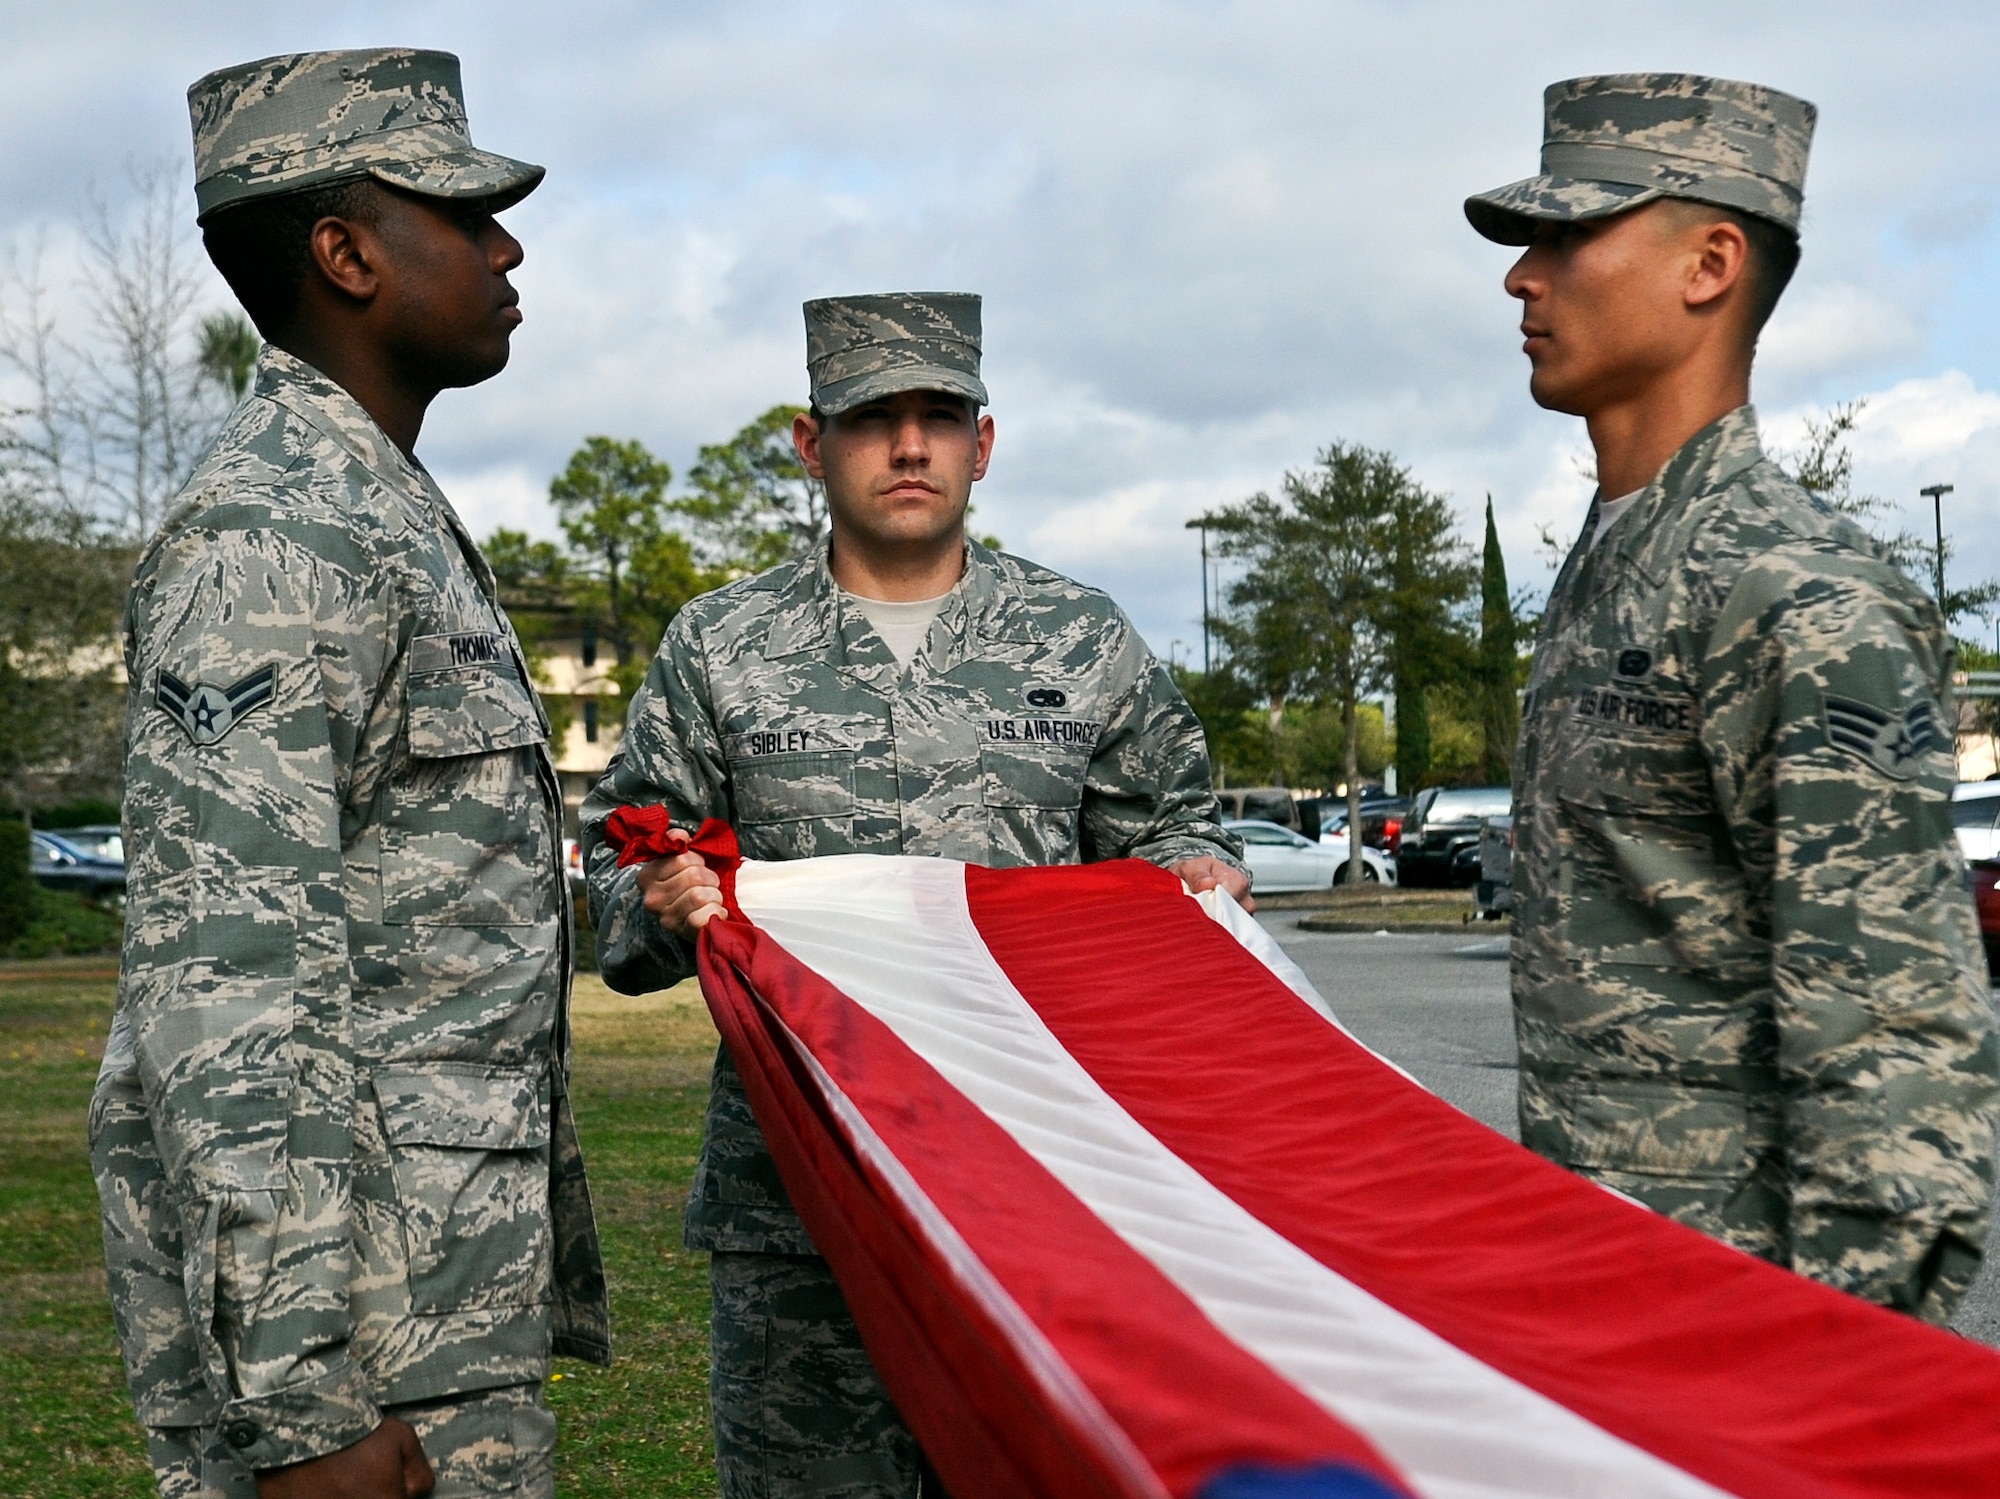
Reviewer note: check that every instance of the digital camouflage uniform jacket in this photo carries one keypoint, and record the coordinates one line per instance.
(1746, 970)
(322, 1132)
(1033, 727)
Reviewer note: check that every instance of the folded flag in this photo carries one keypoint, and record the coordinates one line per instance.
(1122, 1210)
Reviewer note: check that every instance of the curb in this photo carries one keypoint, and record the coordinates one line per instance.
(1380, 929)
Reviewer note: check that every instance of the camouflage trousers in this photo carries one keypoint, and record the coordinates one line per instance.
(799, 1411)
(481, 1445)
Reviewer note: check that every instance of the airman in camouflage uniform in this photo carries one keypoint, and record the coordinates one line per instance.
(331, 1134)
(1746, 971)
(1031, 727)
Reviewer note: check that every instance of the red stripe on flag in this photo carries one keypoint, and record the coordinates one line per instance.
(1188, 1398)
(1743, 1374)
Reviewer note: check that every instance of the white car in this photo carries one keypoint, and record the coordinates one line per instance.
(1377, 868)
(1281, 860)
(1975, 817)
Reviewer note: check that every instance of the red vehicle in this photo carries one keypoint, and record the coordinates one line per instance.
(1986, 895)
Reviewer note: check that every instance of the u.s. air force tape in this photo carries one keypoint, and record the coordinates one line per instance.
(1639, 712)
(1040, 731)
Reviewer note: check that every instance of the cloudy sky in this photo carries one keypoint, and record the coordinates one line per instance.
(1212, 237)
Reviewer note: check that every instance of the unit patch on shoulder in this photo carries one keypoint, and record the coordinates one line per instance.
(1894, 743)
(206, 713)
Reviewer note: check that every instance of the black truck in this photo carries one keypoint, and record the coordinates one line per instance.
(1439, 841)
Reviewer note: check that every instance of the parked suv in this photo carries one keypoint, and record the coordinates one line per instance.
(1439, 840)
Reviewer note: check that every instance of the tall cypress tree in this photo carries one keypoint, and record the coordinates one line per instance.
(1500, 708)
(1413, 729)
(1430, 573)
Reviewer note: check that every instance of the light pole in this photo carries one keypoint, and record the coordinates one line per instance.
(1936, 493)
(1201, 525)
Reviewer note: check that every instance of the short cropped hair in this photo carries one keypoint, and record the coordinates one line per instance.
(1774, 255)
(263, 247)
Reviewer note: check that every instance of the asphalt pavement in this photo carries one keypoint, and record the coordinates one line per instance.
(1436, 1005)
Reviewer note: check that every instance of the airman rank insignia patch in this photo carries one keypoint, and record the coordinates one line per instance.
(207, 713)
(1894, 744)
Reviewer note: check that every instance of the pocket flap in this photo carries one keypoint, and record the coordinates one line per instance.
(470, 711)
(467, 1106)
(1664, 1129)
(793, 787)
(1049, 777)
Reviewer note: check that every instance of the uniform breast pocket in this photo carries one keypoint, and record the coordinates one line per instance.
(469, 1147)
(794, 805)
(466, 839)
(1034, 801)
(1648, 877)
(1045, 776)
(1626, 751)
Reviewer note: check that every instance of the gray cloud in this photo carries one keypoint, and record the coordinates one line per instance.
(1212, 237)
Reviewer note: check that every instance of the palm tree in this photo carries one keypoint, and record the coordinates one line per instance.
(228, 352)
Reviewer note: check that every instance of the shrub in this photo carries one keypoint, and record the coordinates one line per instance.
(18, 890)
(65, 923)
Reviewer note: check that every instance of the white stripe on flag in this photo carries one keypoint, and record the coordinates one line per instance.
(895, 935)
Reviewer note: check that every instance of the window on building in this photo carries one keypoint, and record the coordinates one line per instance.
(590, 720)
(590, 649)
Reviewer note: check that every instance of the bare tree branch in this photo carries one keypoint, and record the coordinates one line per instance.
(151, 412)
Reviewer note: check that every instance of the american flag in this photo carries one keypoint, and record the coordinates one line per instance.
(1121, 1209)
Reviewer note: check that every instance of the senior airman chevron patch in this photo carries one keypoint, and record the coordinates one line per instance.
(207, 713)
(1894, 744)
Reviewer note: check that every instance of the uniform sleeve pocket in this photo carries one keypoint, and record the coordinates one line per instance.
(212, 1010)
(469, 1149)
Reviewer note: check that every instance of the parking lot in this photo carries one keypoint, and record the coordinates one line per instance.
(1436, 1004)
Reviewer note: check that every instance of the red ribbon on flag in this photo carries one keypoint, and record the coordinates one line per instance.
(641, 834)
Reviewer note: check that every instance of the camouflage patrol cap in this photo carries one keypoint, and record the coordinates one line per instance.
(1617, 141)
(860, 349)
(310, 118)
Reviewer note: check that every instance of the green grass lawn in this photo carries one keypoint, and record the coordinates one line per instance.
(638, 1428)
